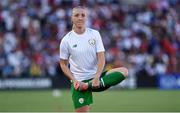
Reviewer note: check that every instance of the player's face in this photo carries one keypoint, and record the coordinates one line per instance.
(79, 17)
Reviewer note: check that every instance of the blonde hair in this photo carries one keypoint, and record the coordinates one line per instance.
(79, 7)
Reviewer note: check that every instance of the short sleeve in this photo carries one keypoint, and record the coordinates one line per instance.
(64, 52)
(99, 43)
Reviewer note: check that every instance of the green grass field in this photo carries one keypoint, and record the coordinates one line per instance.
(109, 101)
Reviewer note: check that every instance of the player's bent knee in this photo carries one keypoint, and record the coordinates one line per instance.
(123, 70)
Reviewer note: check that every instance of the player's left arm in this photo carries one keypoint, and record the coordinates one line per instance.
(100, 67)
(100, 60)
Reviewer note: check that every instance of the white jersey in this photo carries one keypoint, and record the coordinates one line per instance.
(81, 51)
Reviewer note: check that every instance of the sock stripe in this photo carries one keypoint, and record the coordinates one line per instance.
(102, 82)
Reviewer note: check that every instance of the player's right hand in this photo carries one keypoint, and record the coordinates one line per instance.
(76, 84)
(80, 86)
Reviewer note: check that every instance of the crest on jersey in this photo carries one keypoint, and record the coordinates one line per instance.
(81, 100)
(92, 41)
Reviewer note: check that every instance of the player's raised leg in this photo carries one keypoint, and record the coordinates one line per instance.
(110, 78)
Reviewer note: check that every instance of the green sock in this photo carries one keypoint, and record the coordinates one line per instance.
(108, 80)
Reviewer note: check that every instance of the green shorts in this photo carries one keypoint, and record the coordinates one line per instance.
(81, 98)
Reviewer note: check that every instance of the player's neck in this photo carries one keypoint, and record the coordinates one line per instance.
(79, 30)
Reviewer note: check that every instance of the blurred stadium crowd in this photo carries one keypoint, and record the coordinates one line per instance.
(138, 36)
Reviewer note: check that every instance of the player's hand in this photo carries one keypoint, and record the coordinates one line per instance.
(95, 82)
(76, 84)
(80, 86)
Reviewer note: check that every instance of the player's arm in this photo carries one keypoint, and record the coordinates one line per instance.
(100, 67)
(64, 56)
(65, 69)
(100, 64)
(100, 59)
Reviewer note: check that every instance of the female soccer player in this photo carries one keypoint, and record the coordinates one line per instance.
(83, 49)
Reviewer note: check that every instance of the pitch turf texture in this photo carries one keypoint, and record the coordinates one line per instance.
(148, 100)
